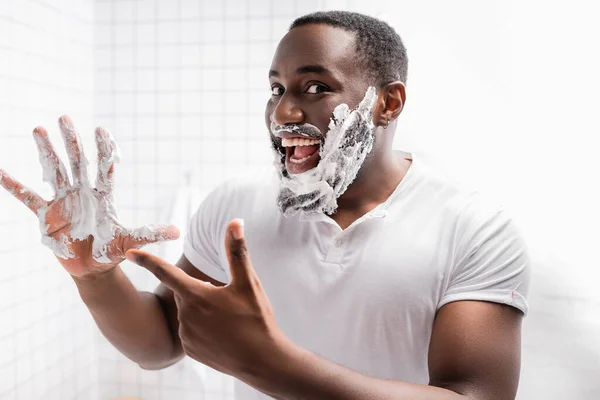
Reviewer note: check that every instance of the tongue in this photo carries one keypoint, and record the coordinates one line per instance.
(305, 151)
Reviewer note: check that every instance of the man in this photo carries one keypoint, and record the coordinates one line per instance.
(361, 274)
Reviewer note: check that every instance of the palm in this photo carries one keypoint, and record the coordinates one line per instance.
(58, 219)
(80, 224)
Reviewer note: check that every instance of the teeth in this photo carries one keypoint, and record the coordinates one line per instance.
(299, 142)
(298, 161)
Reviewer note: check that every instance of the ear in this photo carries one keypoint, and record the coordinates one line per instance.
(390, 103)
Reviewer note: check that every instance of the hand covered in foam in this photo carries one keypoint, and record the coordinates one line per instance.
(80, 224)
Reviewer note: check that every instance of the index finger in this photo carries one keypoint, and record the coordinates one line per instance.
(27, 196)
(174, 278)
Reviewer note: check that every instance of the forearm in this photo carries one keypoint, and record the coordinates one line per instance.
(303, 375)
(133, 321)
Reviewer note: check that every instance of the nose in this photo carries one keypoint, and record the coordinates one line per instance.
(286, 112)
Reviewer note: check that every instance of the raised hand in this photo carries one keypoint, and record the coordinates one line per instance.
(80, 224)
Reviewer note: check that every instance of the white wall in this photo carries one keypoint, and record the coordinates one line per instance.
(46, 335)
(501, 94)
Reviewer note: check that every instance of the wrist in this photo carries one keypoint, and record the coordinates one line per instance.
(95, 277)
(96, 288)
(277, 368)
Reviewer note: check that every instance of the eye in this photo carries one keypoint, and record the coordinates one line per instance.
(316, 88)
(276, 90)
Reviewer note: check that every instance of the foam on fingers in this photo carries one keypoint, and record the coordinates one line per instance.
(54, 172)
(80, 212)
(25, 195)
(108, 155)
(155, 233)
(75, 152)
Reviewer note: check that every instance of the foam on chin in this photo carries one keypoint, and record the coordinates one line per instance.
(349, 139)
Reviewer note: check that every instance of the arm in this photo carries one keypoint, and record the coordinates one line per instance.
(474, 354)
(80, 226)
(474, 351)
(141, 325)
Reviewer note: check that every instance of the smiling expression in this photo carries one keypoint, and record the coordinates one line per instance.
(314, 70)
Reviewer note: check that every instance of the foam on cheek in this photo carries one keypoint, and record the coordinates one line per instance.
(349, 139)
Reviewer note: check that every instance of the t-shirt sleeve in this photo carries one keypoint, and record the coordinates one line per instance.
(201, 244)
(491, 262)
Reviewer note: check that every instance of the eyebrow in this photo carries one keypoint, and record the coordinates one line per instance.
(306, 69)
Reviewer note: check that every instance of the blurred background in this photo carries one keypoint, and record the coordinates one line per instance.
(502, 95)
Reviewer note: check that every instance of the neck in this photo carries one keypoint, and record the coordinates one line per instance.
(377, 180)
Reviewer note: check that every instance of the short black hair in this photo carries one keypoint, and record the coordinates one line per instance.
(378, 45)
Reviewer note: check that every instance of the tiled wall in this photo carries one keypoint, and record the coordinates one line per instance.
(182, 85)
(46, 69)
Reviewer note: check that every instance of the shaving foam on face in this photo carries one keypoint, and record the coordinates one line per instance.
(88, 211)
(349, 139)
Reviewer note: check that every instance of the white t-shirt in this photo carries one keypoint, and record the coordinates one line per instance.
(366, 297)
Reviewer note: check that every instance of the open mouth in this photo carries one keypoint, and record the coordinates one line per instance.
(302, 154)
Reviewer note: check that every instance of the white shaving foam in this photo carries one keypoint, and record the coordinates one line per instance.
(90, 211)
(349, 139)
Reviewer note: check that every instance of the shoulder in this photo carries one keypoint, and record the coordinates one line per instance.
(473, 214)
(249, 195)
(489, 257)
(244, 190)
(454, 197)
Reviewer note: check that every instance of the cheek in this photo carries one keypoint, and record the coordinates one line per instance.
(320, 113)
(268, 112)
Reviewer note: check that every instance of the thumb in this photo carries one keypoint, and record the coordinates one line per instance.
(147, 234)
(242, 272)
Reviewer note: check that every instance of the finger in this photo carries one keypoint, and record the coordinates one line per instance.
(147, 234)
(242, 272)
(23, 194)
(75, 152)
(174, 278)
(108, 155)
(54, 169)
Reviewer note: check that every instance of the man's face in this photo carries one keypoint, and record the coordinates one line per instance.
(314, 70)
(320, 117)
